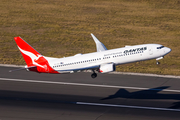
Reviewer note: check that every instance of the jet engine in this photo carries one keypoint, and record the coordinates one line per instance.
(105, 68)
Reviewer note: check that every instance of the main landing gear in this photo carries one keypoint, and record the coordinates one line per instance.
(94, 75)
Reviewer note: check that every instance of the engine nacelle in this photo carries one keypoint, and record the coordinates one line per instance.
(105, 68)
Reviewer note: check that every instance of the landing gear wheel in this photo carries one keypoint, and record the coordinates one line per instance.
(157, 63)
(94, 75)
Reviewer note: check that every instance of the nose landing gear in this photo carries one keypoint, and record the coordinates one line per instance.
(158, 59)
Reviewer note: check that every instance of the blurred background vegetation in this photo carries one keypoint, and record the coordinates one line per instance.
(60, 28)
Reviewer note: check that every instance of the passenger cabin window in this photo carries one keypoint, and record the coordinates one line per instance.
(160, 47)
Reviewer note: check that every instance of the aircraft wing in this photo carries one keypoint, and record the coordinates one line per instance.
(99, 45)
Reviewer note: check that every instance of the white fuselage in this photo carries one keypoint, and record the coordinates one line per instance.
(117, 56)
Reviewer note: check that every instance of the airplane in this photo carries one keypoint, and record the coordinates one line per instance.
(102, 61)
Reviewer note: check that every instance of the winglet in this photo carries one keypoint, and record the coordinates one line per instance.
(99, 45)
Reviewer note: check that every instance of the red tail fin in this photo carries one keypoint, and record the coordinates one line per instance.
(32, 57)
(28, 52)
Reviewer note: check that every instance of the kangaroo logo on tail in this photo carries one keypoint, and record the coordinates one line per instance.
(32, 57)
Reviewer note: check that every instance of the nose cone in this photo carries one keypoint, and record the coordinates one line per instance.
(167, 50)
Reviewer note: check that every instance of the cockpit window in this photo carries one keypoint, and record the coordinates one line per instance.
(160, 47)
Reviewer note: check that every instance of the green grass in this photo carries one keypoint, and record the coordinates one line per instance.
(60, 28)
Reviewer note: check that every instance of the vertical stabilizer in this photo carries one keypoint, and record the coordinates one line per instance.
(29, 53)
(34, 60)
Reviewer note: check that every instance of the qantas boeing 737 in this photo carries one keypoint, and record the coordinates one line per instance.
(102, 61)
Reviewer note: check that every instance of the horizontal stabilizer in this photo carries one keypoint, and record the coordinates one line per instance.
(22, 68)
(99, 45)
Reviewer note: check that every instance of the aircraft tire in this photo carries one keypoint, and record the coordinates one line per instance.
(94, 75)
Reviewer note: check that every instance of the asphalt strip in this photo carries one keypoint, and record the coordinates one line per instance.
(89, 85)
